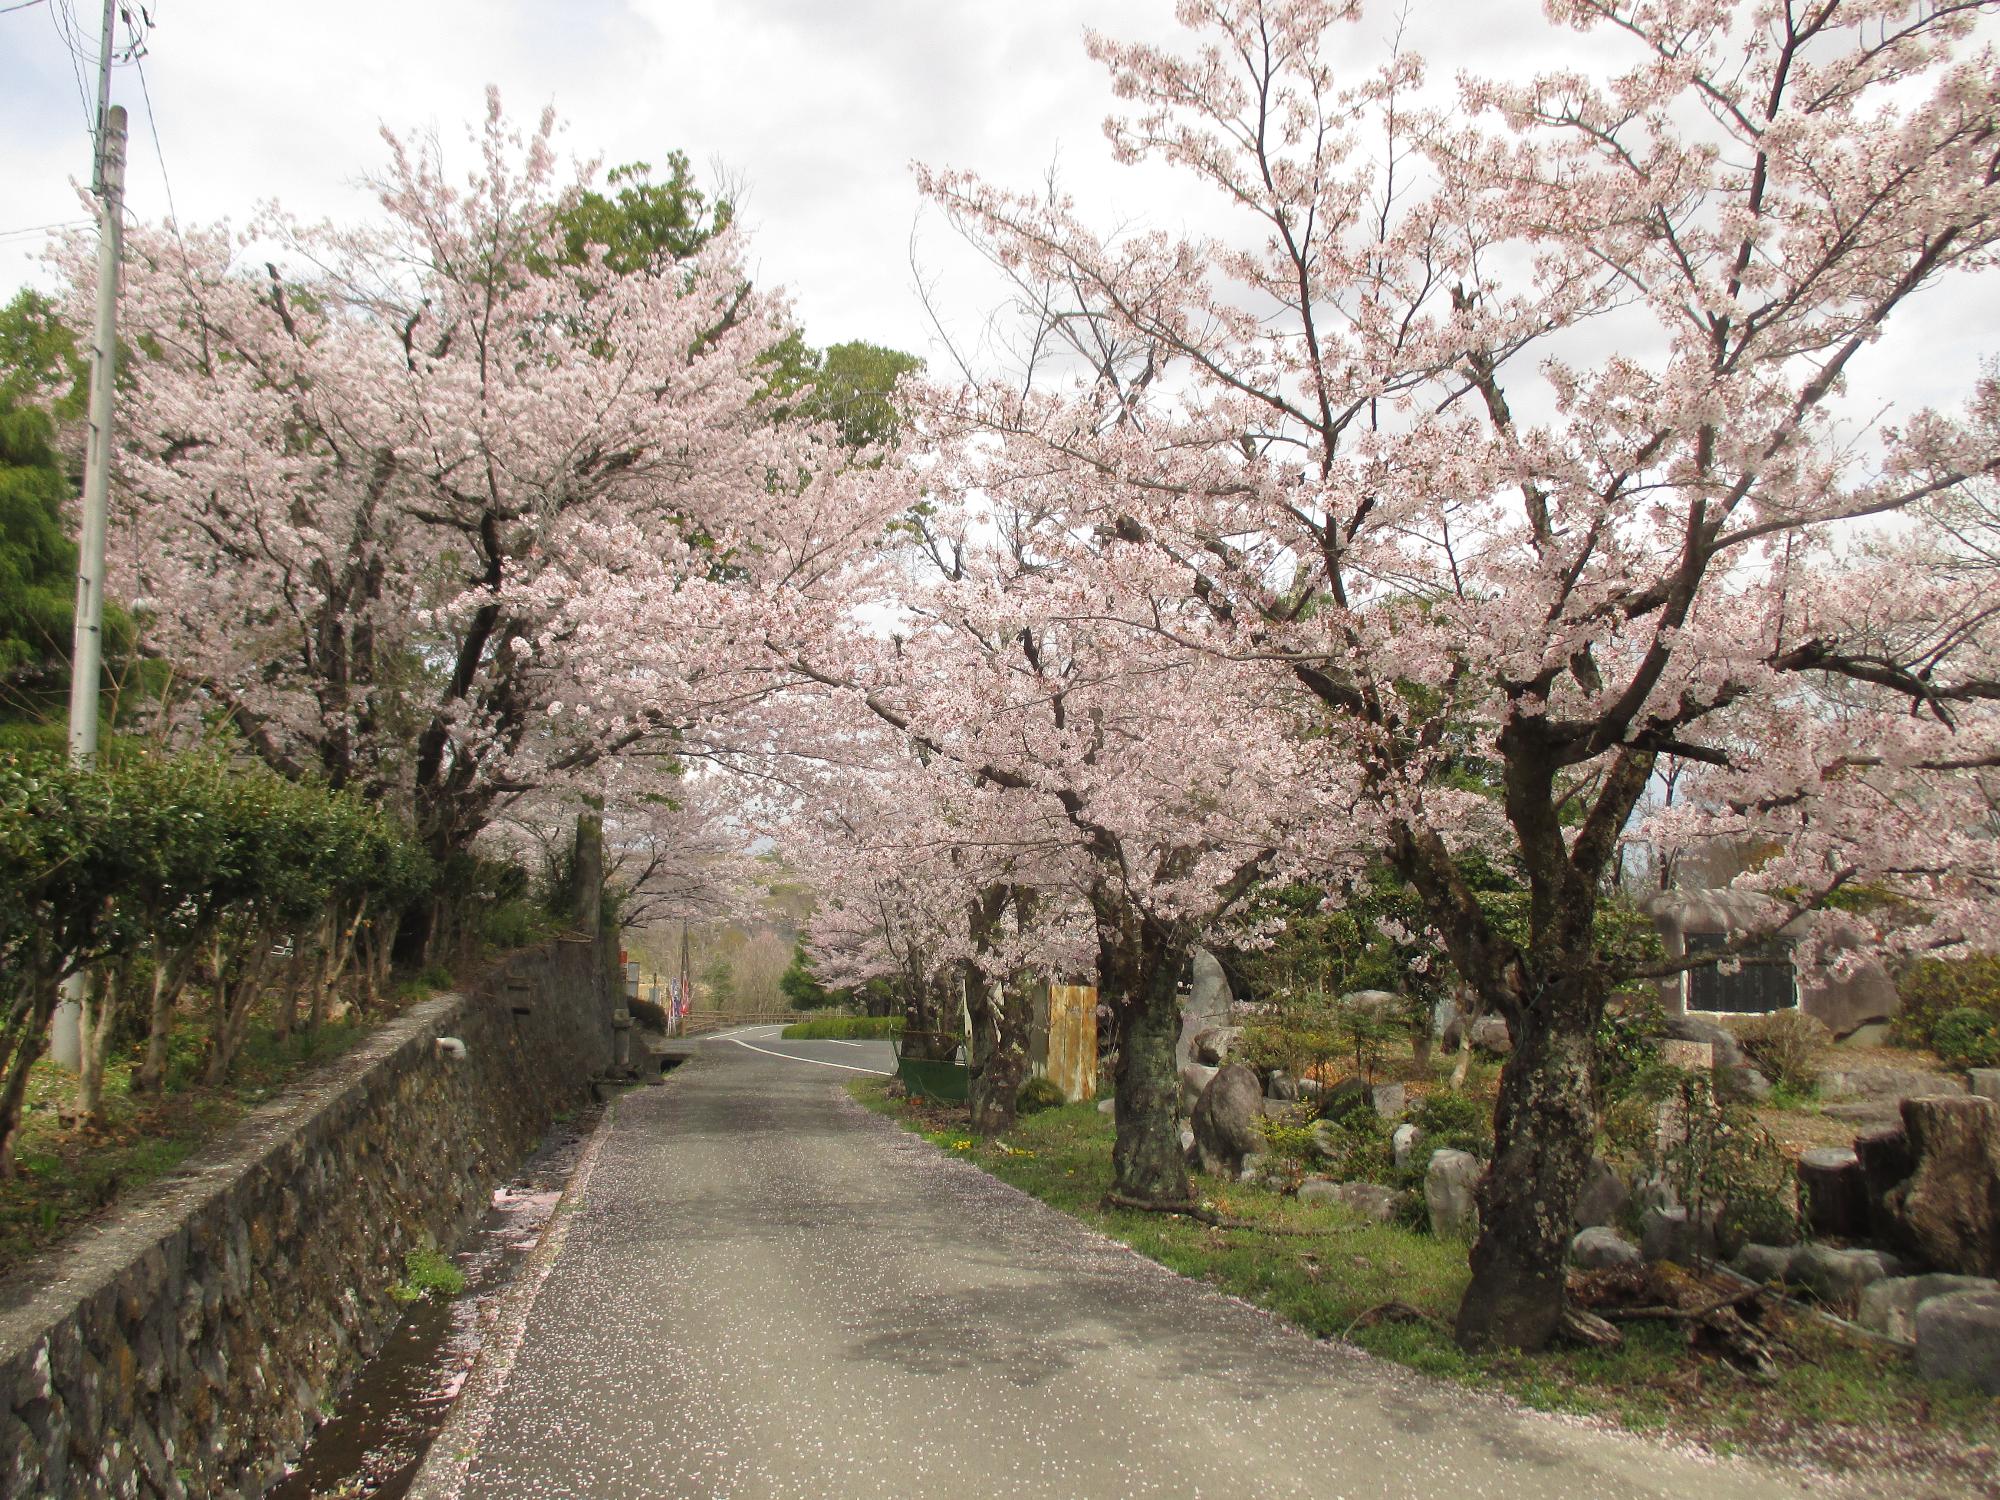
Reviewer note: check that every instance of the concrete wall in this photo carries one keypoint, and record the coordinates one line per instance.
(185, 1347)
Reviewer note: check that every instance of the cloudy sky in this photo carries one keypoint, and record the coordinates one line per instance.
(819, 106)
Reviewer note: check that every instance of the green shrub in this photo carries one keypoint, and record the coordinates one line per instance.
(427, 1274)
(1036, 1095)
(842, 1028)
(1454, 1122)
(1933, 988)
(1287, 1138)
(1628, 1042)
(519, 922)
(1967, 1037)
(1786, 1046)
(1718, 1161)
(1355, 1148)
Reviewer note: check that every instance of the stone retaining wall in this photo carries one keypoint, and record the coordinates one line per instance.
(188, 1346)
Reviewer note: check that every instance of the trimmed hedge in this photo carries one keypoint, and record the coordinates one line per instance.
(843, 1028)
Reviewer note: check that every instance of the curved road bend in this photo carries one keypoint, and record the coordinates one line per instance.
(766, 1291)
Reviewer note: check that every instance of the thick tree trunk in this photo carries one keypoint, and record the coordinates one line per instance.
(1139, 964)
(1001, 1023)
(1543, 1131)
(1146, 1159)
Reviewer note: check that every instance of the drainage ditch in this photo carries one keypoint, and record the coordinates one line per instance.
(375, 1441)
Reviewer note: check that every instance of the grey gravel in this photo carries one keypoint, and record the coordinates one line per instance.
(765, 1291)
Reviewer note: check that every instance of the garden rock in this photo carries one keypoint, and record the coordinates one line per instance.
(1878, 1084)
(1835, 1192)
(1209, 1004)
(1766, 1262)
(1448, 1194)
(1391, 1100)
(1601, 1249)
(1489, 1034)
(1281, 1085)
(1948, 1211)
(1195, 1078)
(1958, 1338)
(1890, 1307)
(1403, 1143)
(1839, 1277)
(1107, 1106)
(1984, 1082)
(1669, 1234)
(1604, 1195)
(1370, 1200)
(1225, 1121)
(1213, 1046)
(1733, 1073)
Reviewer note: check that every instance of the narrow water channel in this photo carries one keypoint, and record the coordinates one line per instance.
(376, 1440)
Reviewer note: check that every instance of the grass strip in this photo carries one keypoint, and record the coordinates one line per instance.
(1394, 1291)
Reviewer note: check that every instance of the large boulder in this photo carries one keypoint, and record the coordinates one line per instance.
(1194, 1079)
(1766, 1262)
(1672, 1234)
(1225, 1121)
(1369, 1200)
(1489, 1034)
(1213, 1047)
(1835, 1192)
(1890, 1306)
(1948, 1210)
(1958, 1338)
(1209, 1005)
(1448, 1194)
(1391, 1100)
(1886, 1086)
(1403, 1143)
(1601, 1249)
(1735, 1077)
(1839, 1277)
(1279, 1084)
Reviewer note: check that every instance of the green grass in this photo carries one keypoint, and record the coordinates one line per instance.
(67, 1174)
(1334, 1283)
(428, 1274)
(842, 1028)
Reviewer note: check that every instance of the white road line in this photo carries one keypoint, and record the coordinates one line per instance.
(816, 1062)
(839, 1043)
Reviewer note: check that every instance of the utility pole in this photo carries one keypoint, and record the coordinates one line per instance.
(87, 642)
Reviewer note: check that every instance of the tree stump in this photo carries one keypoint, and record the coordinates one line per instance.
(1948, 1210)
(1836, 1192)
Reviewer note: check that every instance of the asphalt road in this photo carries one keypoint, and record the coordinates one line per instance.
(765, 1291)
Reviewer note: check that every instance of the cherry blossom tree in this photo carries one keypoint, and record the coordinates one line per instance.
(452, 508)
(1508, 422)
(1144, 782)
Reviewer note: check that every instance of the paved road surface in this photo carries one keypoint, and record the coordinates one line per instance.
(765, 1291)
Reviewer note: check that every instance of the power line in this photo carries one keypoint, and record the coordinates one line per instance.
(57, 14)
(14, 234)
(7, 10)
(138, 54)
